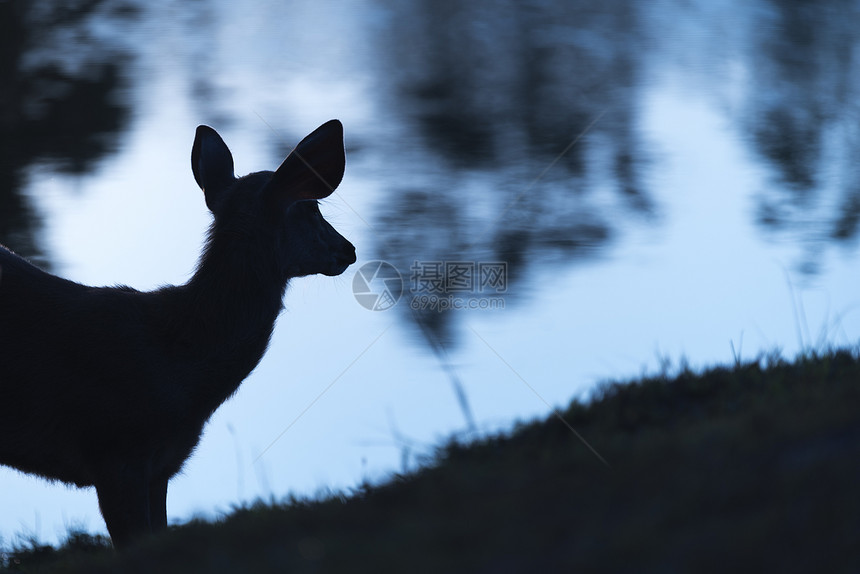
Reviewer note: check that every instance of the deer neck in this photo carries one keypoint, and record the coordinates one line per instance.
(233, 300)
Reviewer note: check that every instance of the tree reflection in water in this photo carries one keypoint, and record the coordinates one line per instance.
(525, 126)
(803, 117)
(62, 100)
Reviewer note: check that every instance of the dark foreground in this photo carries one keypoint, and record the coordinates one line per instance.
(750, 468)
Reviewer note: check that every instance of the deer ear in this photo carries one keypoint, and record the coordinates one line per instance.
(212, 164)
(315, 167)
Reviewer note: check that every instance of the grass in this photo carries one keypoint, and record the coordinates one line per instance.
(749, 468)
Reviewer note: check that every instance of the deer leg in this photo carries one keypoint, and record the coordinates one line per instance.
(158, 504)
(124, 500)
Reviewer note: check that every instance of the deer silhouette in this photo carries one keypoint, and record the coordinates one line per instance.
(111, 387)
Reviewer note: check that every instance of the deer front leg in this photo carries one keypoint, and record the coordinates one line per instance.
(158, 504)
(124, 500)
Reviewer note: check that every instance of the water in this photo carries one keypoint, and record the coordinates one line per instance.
(665, 182)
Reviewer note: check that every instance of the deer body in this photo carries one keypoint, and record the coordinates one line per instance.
(111, 387)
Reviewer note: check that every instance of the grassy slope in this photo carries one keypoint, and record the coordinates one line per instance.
(752, 468)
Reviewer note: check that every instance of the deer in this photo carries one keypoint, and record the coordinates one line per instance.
(110, 387)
